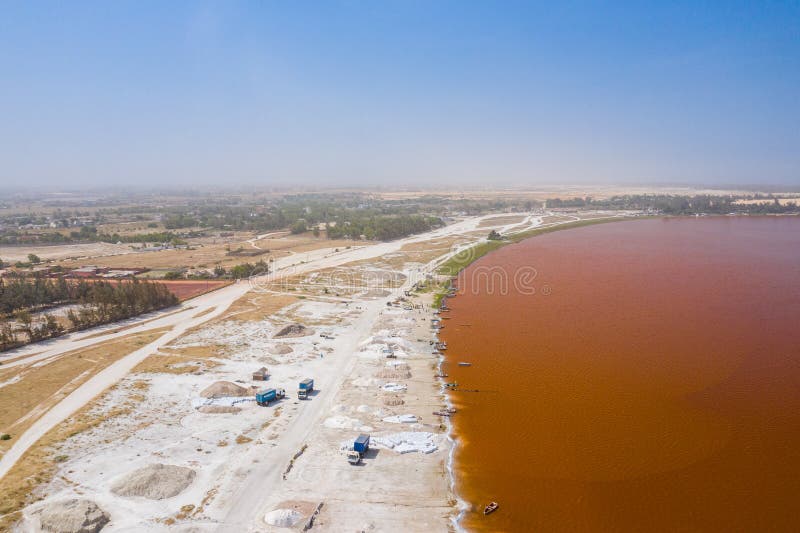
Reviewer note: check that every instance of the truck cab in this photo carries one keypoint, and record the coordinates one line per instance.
(305, 387)
(360, 447)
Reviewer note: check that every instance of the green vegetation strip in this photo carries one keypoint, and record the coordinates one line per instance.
(460, 261)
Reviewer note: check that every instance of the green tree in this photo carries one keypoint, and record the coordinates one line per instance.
(34, 259)
(299, 227)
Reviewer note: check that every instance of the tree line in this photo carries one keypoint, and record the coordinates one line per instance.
(383, 228)
(100, 302)
(681, 205)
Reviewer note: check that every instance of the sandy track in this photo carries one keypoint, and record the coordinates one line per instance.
(248, 503)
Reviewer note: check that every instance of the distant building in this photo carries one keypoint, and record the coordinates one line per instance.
(87, 272)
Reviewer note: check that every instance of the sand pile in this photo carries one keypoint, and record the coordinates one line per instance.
(280, 349)
(394, 373)
(376, 293)
(156, 482)
(72, 516)
(283, 517)
(218, 409)
(294, 330)
(221, 389)
(391, 399)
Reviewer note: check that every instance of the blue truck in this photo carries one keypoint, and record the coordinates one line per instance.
(269, 395)
(305, 388)
(360, 447)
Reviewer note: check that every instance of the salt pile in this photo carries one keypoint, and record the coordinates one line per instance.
(156, 482)
(401, 419)
(282, 517)
(342, 422)
(407, 442)
(72, 516)
(222, 402)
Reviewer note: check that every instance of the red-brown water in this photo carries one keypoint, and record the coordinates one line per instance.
(655, 388)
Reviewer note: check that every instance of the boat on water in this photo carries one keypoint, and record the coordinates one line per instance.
(464, 363)
(492, 507)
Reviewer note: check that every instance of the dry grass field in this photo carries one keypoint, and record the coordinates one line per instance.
(39, 388)
(208, 253)
(501, 221)
(38, 465)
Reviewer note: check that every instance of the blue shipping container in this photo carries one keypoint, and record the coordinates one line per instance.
(361, 445)
(266, 396)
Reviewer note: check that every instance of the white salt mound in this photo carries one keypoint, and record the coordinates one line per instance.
(407, 442)
(282, 517)
(401, 419)
(341, 422)
(155, 482)
(225, 401)
(72, 516)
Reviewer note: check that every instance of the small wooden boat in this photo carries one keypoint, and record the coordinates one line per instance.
(442, 413)
(492, 507)
(440, 376)
(464, 363)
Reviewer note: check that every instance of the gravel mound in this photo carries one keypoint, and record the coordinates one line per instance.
(72, 516)
(391, 399)
(376, 293)
(155, 482)
(222, 389)
(218, 409)
(294, 330)
(280, 349)
(389, 373)
(282, 517)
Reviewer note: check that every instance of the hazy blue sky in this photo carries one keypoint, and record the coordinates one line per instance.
(396, 93)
